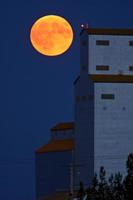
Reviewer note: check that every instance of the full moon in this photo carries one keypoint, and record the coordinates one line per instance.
(51, 35)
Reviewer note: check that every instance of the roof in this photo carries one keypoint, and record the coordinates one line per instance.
(109, 78)
(109, 31)
(63, 126)
(76, 80)
(112, 78)
(57, 145)
(58, 196)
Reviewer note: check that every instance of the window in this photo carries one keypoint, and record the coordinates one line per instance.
(83, 67)
(107, 96)
(55, 133)
(102, 67)
(102, 42)
(104, 108)
(123, 108)
(78, 98)
(90, 97)
(84, 98)
(130, 68)
(130, 43)
(84, 42)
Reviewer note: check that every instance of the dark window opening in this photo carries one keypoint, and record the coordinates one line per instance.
(83, 67)
(130, 43)
(102, 42)
(84, 42)
(84, 98)
(102, 67)
(130, 68)
(78, 98)
(90, 97)
(107, 96)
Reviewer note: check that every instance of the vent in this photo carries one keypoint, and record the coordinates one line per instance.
(120, 72)
(77, 98)
(107, 96)
(102, 42)
(102, 67)
(84, 43)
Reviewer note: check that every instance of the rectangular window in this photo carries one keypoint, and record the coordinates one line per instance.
(84, 42)
(90, 97)
(102, 42)
(83, 67)
(102, 67)
(130, 43)
(130, 68)
(84, 98)
(78, 98)
(107, 96)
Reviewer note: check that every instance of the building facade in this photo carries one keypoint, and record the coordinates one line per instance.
(53, 161)
(102, 132)
(103, 102)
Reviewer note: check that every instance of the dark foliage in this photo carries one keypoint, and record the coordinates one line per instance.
(81, 191)
(115, 188)
(128, 182)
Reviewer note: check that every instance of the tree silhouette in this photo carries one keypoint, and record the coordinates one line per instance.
(115, 188)
(81, 191)
(128, 183)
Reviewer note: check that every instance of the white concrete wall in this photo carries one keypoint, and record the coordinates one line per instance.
(113, 131)
(118, 55)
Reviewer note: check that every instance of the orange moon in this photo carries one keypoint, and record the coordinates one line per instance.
(51, 35)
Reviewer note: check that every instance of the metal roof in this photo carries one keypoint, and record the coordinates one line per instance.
(107, 31)
(63, 126)
(112, 78)
(109, 78)
(57, 145)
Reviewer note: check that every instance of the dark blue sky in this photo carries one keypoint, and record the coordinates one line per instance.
(36, 92)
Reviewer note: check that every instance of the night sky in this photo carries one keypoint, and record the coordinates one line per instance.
(36, 92)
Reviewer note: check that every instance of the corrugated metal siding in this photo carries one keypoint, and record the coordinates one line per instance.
(52, 172)
(84, 137)
(113, 126)
(84, 121)
(118, 55)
